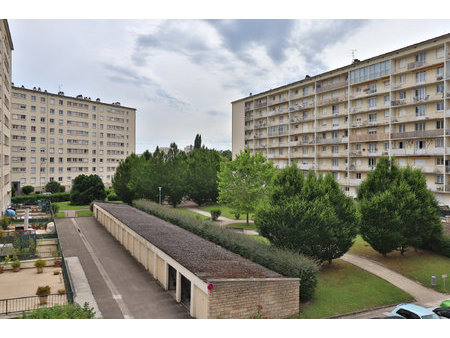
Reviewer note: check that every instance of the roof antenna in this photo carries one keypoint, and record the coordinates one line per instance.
(59, 87)
(353, 54)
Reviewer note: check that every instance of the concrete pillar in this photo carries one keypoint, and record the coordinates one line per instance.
(155, 266)
(178, 288)
(166, 276)
(192, 300)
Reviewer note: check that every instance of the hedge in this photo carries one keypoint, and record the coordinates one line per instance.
(285, 262)
(440, 246)
(58, 197)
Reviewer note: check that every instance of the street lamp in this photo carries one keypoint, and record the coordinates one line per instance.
(159, 194)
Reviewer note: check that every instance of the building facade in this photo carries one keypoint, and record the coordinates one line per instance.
(6, 47)
(344, 120)
(56, 137)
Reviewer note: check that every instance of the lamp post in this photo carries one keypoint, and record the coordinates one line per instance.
(159, 194)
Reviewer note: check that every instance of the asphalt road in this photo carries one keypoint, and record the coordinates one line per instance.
(121, 286)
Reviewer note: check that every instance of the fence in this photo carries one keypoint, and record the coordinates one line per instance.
(23, 304)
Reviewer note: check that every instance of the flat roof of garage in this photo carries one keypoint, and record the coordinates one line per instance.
(203, 258)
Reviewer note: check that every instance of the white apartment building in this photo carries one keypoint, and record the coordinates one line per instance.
(342, 121)
(6, 46)
(55, 137)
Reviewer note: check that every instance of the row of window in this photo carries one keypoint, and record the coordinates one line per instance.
(44, 180)
(23, 138)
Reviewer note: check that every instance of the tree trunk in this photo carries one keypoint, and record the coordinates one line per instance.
(330, 260)
(247, 218)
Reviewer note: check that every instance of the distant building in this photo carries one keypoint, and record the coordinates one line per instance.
(188, 149)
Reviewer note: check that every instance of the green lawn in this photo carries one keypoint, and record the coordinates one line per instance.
(192, 213)
(226, 211)
(67, 206)
(60, 214)
(420, 265)
(84, 213)
(344, 288)
(250, 226)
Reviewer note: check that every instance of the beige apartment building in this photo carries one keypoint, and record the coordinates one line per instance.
(55, 137)
(6, 46)
(344, 120)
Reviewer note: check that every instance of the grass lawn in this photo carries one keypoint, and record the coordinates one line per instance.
(250, 226)
(84, 213)
(419, 266)
(192, 213)
(345, 288)
(226, 211)
(67, 206)
(60, 214)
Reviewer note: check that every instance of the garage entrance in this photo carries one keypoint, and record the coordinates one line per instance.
(185, 291)
(172, 278)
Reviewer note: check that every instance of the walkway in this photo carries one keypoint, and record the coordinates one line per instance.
(120, 285)
(72, 213)
(424, 296)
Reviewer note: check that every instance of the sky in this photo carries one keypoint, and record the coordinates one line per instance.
(182, 75)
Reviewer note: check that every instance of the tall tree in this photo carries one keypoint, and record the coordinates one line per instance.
(121, 179)
(397, 210)
(86, 189)
(203, 165)
(312, 216)
(198, 141)
(243, 181)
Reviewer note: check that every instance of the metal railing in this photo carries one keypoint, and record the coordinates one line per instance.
(24, 304)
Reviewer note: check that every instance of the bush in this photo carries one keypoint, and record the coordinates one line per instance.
(55, 208)
(111, 196)
(43, 290)
(59, 197)
(69, 311)
(440, 246)
(285, 262)
(28, 189)
(53, 187)
(236, 214)
(215, 213)
(86, 189)
(16, 263)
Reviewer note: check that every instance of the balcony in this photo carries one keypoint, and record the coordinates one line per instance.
(413, 151)
(369, 137)
(248, 118)
(306, 166)
(261, 125)
(249, 137)
(354, 182)
(332, 86)
(260, 146)
(416, 65)
(419, 133)
(270, 156)
(329, 140)
(247, 109)
(438, 187)
(332, 100)
(260, 105)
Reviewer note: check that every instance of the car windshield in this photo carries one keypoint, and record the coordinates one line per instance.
(433, 316)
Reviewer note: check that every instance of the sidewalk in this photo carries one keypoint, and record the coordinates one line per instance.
(424, 296)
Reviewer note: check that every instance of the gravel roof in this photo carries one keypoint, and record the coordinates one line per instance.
(203, 258)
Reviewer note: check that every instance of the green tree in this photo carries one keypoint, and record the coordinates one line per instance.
(175, 175)
(198, 141)
(203, 165)
(311, 216)
(243, 181)
(227, 154)
(53, 187)
(86, 189)
(28, 189)
(121, 179)
(397, 210)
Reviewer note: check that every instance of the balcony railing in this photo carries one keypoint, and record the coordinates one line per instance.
(419, 133)
(247, 109)
(248, 118)
(413, 151)
(332, 100)
(332, 86)
(261, 125)
(260, 105)
(369, 137)
(329, 140)
(415, 65)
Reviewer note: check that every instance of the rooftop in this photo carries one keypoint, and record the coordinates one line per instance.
(203, 258)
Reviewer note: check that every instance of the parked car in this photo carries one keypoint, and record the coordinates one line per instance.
(442, 312)
(46, 193)
(412, 311)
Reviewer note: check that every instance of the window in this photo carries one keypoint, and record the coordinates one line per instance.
(402, 78)
(372, 161)
(420, 110)
(419, 145)
(439, 161)
(305, 91)
(440, 71)
(440, 106)
(402, 95)
(372, 148)
(373, 117)
(401, 128)
(439, 143)
(421, 57)
(358, 176)
(335, 162)
(401, 145)
(335, 149)
(372, 102)
(420, 126)
(386, 114)
(440, 52)
(440, 88)
(420, 77)
(440, 124)
(402, 63)
(439, 179)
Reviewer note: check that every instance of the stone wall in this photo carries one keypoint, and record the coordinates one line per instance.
(279, 298)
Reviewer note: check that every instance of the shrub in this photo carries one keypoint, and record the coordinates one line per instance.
(440, 246)
(86, 189)
(69, 311)
(215, 213)
(43, 290)
(55, 208)
(4, 222)
(111, 196)
(53, 187)
(285, 262)
(59, 197)
(40, 263)
(16, 263)
(28, 189)
(236, 214)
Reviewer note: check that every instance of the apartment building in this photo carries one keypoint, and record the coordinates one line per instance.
(6, 46)
(344, 120)
(55, 137)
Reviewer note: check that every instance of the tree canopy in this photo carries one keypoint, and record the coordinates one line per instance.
(86, 189)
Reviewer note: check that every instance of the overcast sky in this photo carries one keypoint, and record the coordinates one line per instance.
(181, 75)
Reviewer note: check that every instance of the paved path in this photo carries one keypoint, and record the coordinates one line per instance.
(224, 220)
(121, 286)
(72, 213)
(424, 296)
